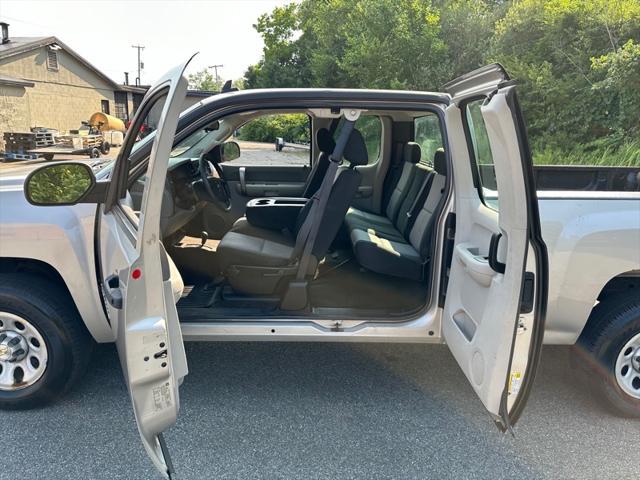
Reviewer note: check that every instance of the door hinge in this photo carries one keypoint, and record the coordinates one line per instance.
(521, 326)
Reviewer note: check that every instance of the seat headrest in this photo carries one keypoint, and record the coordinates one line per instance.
(356, 150)
(325, 141)
(412, 152)
(440, 162)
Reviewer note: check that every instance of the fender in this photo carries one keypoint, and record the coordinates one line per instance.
(61, 237)
(592, 237)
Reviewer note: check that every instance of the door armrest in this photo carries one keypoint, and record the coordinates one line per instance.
(476, 265)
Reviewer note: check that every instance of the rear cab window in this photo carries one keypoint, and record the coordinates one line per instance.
(427, 133)
(370, 126)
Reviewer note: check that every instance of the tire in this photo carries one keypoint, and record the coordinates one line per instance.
(94, 153)
(48, 309)
(613, 324)
(105, 147)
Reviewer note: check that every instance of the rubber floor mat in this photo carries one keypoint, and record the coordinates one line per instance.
(199, 296)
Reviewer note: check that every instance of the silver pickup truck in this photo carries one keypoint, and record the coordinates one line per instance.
(427, 230)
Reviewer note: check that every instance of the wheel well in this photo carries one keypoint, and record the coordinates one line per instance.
(623, 283)
(37, 268)
(626, 282)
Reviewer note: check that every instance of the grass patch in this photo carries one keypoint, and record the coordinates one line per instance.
(626, 154)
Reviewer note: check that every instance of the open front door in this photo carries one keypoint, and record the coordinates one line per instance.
(493, 319)
(141, 285)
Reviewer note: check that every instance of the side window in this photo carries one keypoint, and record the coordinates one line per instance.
(370, 126)
(479, 140)
(428, 134)
(143, 126)
(275, 139)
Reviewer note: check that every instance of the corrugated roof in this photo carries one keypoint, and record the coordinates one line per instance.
(18, 45)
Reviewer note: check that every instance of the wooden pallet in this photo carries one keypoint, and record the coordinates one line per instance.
(82, 141)
(20, 156)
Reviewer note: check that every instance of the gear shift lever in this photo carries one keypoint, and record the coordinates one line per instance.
(204, 236)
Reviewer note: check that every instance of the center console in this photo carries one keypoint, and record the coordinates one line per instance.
(276, 213)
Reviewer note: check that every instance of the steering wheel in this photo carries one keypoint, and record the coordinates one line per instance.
(214, 183)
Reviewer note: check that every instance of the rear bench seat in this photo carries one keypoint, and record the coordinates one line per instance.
(364, 220)
(399, 243)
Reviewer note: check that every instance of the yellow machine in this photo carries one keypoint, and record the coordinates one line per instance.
(103, 122)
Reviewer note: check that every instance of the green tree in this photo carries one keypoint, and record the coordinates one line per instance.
(618, 75)
(548, 46)
(204, 80)
(575, 61)
(284, 62)
(467, 28)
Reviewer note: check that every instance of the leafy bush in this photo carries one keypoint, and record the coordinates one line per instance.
(576, 62)
(293, 127)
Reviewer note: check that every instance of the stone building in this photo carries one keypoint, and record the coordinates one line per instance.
(44, 83)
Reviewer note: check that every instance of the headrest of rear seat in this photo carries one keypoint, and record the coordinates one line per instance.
(412, 152)
(356, 150)
(440, 162)
(326, 143)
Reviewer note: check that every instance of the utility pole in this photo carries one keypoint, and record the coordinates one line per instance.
(140, 64)
(216, 67)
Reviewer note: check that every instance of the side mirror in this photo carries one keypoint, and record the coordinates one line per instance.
(59, 184)
(229, 151)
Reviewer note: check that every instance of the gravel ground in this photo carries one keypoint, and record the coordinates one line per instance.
(307, 411)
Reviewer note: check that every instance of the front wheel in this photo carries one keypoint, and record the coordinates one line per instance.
(44, 347)
(612, 344)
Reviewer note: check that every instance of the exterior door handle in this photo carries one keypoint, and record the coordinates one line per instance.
(112, 291)
(496, 265)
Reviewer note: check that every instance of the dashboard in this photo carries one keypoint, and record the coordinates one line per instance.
(180, 201)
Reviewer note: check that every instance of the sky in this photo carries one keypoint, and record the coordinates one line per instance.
(171, 31)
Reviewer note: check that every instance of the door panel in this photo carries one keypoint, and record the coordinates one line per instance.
(482, 325)
(140, 281)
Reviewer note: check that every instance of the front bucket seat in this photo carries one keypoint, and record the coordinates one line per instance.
(261, 261)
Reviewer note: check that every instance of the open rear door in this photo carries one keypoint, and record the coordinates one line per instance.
(493, 318)
(140, 282)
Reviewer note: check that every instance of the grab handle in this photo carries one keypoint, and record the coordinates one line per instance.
(496, 265)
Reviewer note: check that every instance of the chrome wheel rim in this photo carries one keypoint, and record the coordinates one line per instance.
(23, 353)
(628, 367)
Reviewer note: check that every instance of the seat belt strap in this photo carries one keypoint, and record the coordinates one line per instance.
(311, 225)
(419, 201)
(393, 176)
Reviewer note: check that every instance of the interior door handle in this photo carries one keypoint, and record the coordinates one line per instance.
(112, 291)
(242, 172)
(496, 265)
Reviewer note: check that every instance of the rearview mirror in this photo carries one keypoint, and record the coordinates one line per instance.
(229, 151)
(59, 184)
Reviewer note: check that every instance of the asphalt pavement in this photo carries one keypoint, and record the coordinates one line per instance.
(324, 411)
